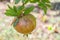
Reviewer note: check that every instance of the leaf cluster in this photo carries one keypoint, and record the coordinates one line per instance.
(17, 11)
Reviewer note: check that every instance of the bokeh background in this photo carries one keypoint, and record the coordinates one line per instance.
(43, 31)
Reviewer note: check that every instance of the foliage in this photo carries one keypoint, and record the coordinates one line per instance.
(17, 11)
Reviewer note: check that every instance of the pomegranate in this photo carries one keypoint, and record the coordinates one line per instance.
(25, 24)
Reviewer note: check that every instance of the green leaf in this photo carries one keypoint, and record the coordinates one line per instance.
(45, 11)
(9, 7)
(15, 9)
(34, 1)
(25, 1)
(19, 9)
(48, 5)
(43, 6)
(15, 23)
(17, 1)
(28, 10)
(45, 1)
(10, 13)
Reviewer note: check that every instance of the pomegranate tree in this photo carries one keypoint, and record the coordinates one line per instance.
(25, 22)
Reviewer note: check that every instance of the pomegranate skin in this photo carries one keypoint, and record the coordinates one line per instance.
(26, 24)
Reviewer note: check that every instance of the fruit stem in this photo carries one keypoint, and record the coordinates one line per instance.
(20, 15)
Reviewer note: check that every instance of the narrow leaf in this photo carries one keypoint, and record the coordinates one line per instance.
(17, 1)
(16, 21)
(45, 1)
(34, 1)
(15, 9)
(9, 7)
(25, 1)
(45, 11)
(43, 6)
(19, 9)
(48, 5)
(10, 13)
(28, 10)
